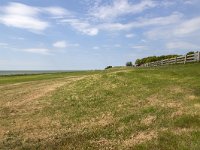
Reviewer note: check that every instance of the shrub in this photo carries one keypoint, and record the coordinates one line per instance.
(129, 63)
(191, 52)
(108, 67)
(149, 59)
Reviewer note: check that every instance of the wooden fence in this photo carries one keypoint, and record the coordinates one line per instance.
(176, 60)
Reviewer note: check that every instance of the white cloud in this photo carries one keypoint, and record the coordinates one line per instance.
(140, 47)
(188, 26)
(189, 1)
(57, 12)
(24, 22)
(168, 3)
(182, 45)
(29, 17)
(143, 22)
(20, 9)
(166, 20)
(18, 38)
(183, 28)
(42, 51)
(159, 33)
(22, 16)
(64, 44)
(119, 8)
(81, 26)
(87, 28)
(96, 47)
(129, 35)
(115, 26)
(60, 44)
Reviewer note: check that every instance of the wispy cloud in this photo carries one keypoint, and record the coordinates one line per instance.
(189, 1)
(56, 12)
(182, 45)
(81, 26)
(22, 16)
(42, 51)
(18, 38)
(183, 28)
(139, 47)
(143, 22)
(119, 8)
(96, 47)
(64, 44)
(188, 27)
(130, 35)
(60, 44)
(28, 17)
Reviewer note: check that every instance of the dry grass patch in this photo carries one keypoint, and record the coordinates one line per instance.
(177, 113)
(153, 100)
(176, 89)
(140, 137)
(172, 105)
(180, 131)
(148, 120)
(102, 121)
(191, 97)
(197, 105)
(103, 142)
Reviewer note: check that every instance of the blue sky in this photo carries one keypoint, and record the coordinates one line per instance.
(92, 34)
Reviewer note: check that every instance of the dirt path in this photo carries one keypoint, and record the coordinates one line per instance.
(23, 97)
(22, 93)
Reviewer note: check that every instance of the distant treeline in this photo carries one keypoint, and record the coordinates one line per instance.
(155, 58)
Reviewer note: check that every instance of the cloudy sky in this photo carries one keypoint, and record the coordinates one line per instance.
(92, 34)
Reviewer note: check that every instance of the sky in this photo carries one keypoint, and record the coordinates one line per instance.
(92, 34)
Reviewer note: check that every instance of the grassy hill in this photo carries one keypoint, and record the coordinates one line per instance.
(121, 108)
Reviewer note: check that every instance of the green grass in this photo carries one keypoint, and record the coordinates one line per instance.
(7, 79)
(120, 108)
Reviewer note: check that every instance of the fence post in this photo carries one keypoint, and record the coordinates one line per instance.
(175, 60)
(185, 59)
(198, 56)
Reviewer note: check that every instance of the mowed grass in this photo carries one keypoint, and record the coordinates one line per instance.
(7, 79)
(121, 108)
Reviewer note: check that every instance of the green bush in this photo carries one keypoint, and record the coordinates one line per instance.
(153, 58)
(129, 63)
(108, 67)
(191, 52)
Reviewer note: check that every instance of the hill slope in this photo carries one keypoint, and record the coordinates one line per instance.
(146, 108)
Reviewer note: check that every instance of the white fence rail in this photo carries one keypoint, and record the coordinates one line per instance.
(176, 60)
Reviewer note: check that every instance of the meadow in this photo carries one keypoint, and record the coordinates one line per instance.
(119, 108)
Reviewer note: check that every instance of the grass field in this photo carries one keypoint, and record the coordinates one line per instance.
(121, 108)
